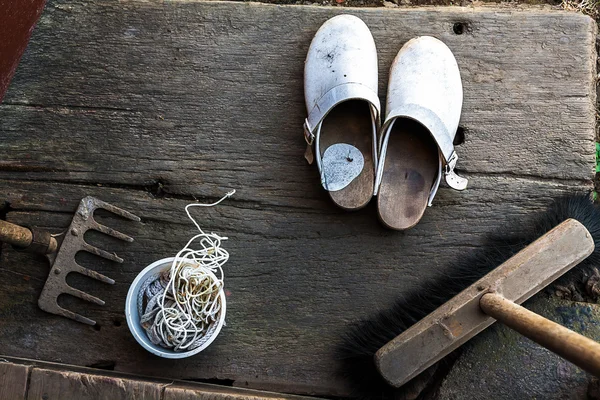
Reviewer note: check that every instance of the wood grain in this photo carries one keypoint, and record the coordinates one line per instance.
(174, 92)
(51, 385)
(13, 381)
(150, 105)
(215, 393)
(59, 381)
(410, 169)
(351, 123)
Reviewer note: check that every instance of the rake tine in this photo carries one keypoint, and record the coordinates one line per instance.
(115, 210)
(63, 262)
(94, 274)
(111, 232)
(54, 308)
(101, 253)
(81, 318)
(82, 295)
(75, 316)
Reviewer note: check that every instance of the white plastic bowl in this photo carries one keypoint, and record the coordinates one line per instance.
(133, 317)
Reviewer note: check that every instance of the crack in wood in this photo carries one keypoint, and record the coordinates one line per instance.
(57, 107)
(4, 210)
(527, 177)
(158, 191)
(184, 123)
(157, 188)
(25, 276)
(28, 382)
(108, 365)
(27, 168)
(213, 381)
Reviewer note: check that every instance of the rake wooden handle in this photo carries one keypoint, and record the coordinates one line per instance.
(580, 350)
(35, 241)
(14, 234)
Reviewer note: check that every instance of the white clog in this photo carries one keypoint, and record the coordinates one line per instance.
(340, 89)
(424, 102)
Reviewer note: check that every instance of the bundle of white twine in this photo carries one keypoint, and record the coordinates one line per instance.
(179, 306)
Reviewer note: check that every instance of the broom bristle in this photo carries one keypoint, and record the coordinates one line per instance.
(362, 340)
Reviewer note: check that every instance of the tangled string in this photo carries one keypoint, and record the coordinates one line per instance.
(180, 306)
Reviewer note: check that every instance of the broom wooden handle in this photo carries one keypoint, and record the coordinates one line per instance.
(580, 350)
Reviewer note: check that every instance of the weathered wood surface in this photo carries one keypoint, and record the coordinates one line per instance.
(13, 381)
(215, 393)
(35, 380)
(50, 384)
(149, 105)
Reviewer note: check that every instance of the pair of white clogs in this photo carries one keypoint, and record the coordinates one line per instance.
(402, 160)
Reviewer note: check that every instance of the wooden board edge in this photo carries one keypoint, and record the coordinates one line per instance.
(36, 369)
(481, 7)
(14, 380)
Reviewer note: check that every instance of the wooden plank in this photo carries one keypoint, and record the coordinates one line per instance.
(209, 95)
(13, 380)
(53, 384)
(62, 384)
(149, 105)
(216, 393)
(290, 291)
(127, 384)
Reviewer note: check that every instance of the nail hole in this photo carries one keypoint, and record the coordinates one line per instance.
(4, 209)
(97, 327)
(460, 136)
(461, 27)
(117, 322)
(157, 188)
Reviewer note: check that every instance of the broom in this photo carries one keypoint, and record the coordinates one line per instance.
(358, 346)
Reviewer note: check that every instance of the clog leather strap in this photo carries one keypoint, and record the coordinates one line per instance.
(336, 95)
(438, 130)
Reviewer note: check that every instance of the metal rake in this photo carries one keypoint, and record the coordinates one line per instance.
(60, 249)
